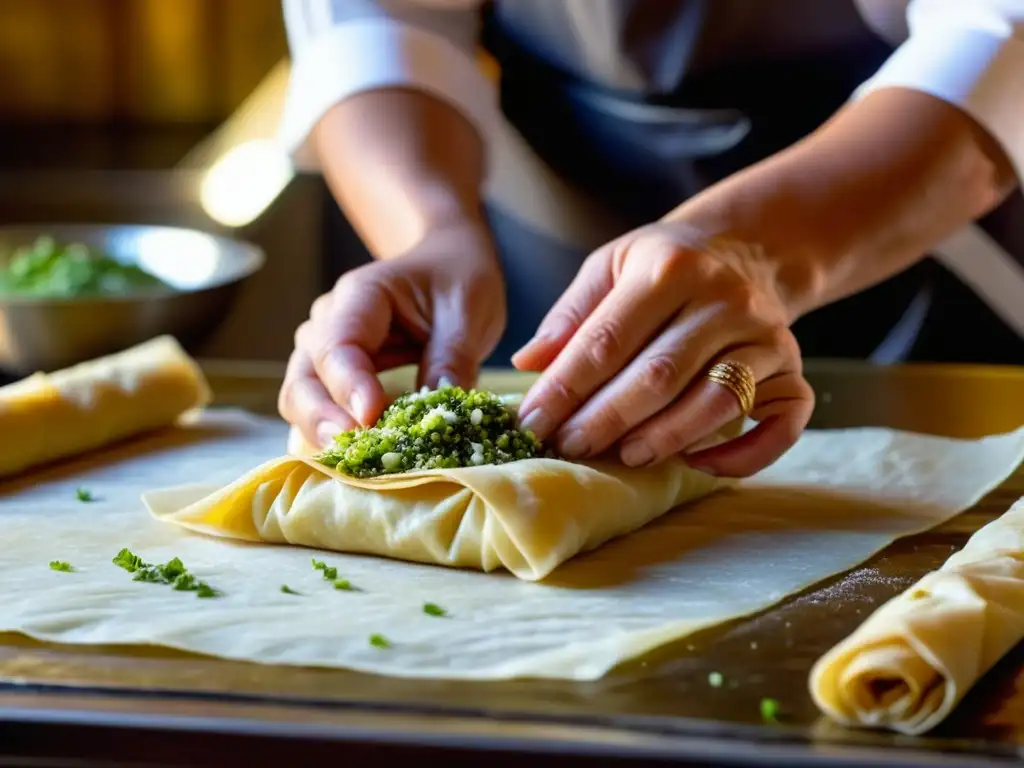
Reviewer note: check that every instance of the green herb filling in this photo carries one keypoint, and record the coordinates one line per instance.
(52, 270)
(443, 428)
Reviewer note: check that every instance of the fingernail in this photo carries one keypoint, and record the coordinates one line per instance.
(574, 445)
(536, 421)
(542, 337)
(355, 405)
(325, 431)
(637, 453)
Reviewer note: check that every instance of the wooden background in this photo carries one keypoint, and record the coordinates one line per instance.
(144, 61)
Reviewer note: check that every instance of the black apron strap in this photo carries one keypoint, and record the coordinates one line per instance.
(642, 156)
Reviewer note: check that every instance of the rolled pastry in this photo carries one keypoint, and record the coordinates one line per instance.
(47, 417)
(527, 517)
(909, 664)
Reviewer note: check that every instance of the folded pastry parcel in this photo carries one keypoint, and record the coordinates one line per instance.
(527, 516)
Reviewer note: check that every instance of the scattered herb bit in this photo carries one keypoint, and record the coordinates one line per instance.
(128, 560)
(379, 641)
(433, 609)
(330, 574)
(84, 494)
(173, 569)
(61, 565)
(185, 582)
(715, 679)
(770, 710)
(345, 585)
(443, 428)
(173, 572)
(288, 590)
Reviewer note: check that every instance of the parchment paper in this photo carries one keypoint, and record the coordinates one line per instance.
(830, 503)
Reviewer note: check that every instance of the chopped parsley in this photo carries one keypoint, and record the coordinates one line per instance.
(84, 494)
(433, 609)
(128, 560)
(770, 710)
(49, 269)
(443, 428)
(288, 590)
(330, 574)
(61, 565)
(173, 573)
(715, 679)
(379, 641)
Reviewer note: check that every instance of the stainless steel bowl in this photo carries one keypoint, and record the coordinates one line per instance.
(204, 271)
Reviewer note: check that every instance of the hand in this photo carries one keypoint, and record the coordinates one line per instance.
(624, 350)
(441, 305)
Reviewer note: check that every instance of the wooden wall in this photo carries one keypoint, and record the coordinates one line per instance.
(134, 60)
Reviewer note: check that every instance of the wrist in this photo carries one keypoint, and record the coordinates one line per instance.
(401, 163)
(861, 199)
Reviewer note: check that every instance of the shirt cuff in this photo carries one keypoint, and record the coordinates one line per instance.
(980, 72)
(370, 54)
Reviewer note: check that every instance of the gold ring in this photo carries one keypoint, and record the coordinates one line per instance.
(738, 379)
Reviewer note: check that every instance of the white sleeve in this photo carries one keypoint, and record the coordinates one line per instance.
(969, 53)
(340, 48)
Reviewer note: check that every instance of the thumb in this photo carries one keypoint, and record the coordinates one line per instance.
(459, 341)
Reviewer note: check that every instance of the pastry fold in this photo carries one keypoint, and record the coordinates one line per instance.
(527, 517)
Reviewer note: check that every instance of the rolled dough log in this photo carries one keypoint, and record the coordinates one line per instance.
(47, 417)
(916, 657)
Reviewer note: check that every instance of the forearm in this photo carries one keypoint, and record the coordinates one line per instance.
(864, 197)
(400, 163)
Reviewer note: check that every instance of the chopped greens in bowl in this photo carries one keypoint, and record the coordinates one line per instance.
(445, 428)
(47, 269)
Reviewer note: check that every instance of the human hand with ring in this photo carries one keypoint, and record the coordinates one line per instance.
(662, 339)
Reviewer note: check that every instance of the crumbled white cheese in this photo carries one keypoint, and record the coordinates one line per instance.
(444, 413)
(476, 417)
(478, 453)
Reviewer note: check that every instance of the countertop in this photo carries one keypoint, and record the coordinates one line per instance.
(135, 707)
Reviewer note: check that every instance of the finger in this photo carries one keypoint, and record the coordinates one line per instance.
(782, 418)
(591, 284)
(703, 409)
(396, 357)
(457, 344)
(347, 331)
(651, 382)
(608, 340)
(305, 402)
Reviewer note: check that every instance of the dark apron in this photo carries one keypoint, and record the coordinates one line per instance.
(643, 169)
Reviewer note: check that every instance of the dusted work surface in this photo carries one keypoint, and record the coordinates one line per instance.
(765, 656)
